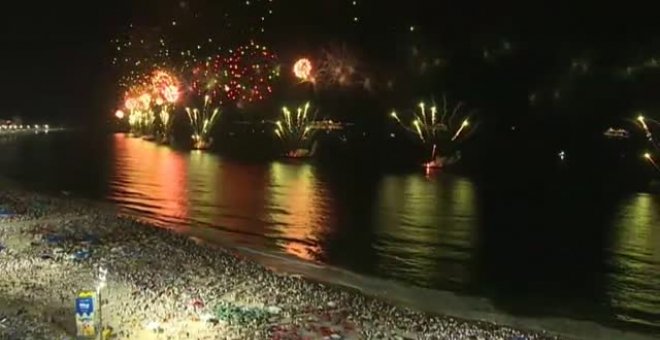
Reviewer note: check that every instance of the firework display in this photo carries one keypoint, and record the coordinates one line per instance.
(649, 158)
(165, 88)
(209, 85)
(648, 125)
(252, 69)
(138, 101)
(338, 67)
(294, 130)
(201, 121)
(302, 69)
(438, 129)
(161, 77)
(207, 88)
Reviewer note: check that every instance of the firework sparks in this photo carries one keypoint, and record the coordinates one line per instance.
(437, 128)
(202, 121)
(138, 101)
(252, 69)
(137, 53)
(642, 122)
(650, 159)
(208, 83)
(647, 125)
(294, 130)
(209, 78)
(120, 114)
(338, 68)
(165, 88)
(302, 69)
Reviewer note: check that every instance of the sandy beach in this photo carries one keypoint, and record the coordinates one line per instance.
(163, 285)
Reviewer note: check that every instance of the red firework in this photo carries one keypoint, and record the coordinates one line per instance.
(209, 78)
(252, 69)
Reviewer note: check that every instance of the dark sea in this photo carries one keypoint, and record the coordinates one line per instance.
(539, 249)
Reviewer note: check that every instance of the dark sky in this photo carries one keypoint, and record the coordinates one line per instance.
(54, 60)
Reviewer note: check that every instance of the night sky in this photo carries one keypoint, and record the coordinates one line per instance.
(56, 56)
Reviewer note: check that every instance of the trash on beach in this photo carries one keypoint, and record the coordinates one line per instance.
(54, 239)
(197, 304)
(6, 212)
(273, 310)
(154, 326)
(80, 255)
(106, 333)
(85, 315)
(233, 314)
(90, 239)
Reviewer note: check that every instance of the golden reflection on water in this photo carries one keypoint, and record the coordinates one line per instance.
(425, 229)
(299, 208)
(634, 287)
(149, 178)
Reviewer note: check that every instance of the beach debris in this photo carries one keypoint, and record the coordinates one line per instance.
(154, 326)
(273, 310)
(241, 315)
(53, 239)
(106, 334)
(5, 212)
(85, 314)
(80, 255)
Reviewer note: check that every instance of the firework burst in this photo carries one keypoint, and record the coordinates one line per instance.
(252, 69)
(202, 121)
(294, 130)
(338, 67)
(303, 69)
(208, 83)
(137, 53)
(138, 102)
(165, 89)
(439, 129)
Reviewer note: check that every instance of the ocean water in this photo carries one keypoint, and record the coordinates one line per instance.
(528, 249)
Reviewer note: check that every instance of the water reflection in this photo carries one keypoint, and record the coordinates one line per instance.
(150, 179)
(525, 247)
(634, 287)
(425, 229)
(298, 204)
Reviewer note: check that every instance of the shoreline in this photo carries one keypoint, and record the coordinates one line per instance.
(158, 277)
(164, 284)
